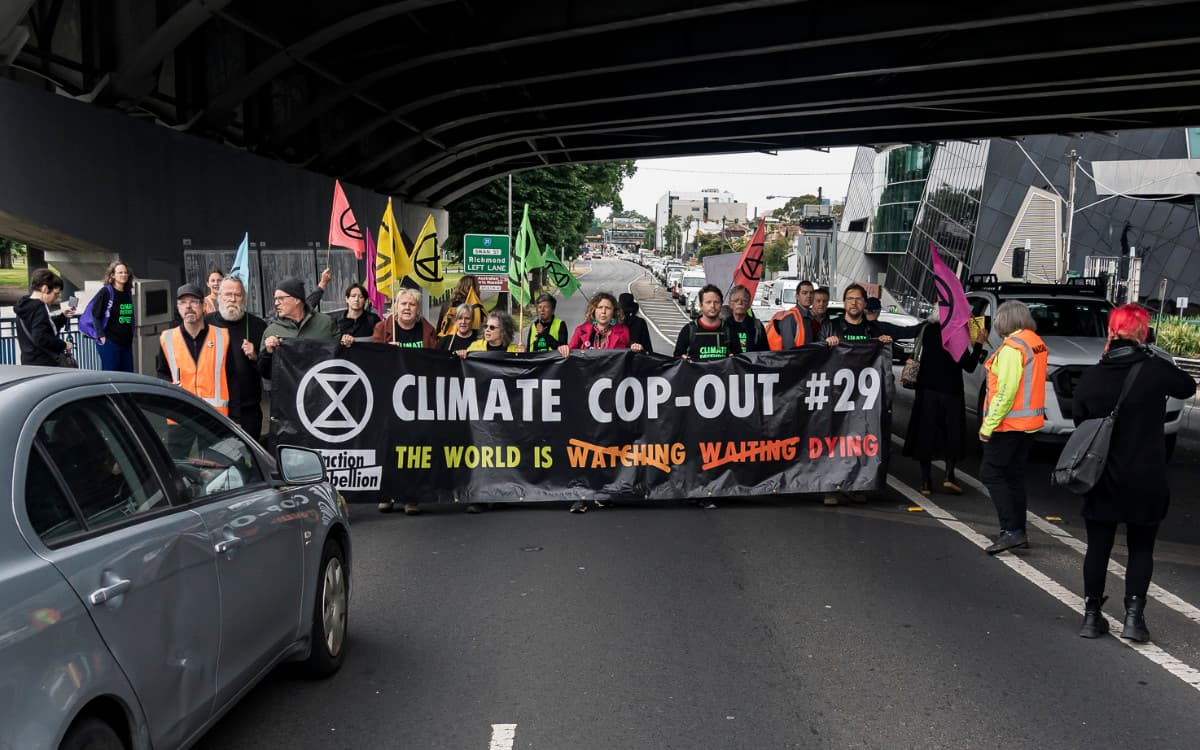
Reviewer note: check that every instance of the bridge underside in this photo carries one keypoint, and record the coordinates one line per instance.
(428, 99)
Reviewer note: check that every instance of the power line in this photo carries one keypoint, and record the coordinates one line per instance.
(747, 174)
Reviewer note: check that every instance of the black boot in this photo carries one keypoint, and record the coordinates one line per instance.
(1135, 620)
(1094, 624)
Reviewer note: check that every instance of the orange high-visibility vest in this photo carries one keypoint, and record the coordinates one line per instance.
(1028, 410)
(205, 378)
(776, 340)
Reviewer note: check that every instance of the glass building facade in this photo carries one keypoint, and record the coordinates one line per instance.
(972, 192)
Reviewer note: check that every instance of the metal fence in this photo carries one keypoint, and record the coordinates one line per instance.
(83, 347)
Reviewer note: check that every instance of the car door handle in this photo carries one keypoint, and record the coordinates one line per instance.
(107, 593)
(225, 545)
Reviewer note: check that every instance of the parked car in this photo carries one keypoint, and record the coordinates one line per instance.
(1073, 321)
(155, 562)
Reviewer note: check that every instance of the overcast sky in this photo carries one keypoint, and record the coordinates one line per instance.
(750, 177)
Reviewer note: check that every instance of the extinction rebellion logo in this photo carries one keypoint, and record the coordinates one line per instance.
(330, 389)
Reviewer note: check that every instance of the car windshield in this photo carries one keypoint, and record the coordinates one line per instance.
(692, 281)
(1070, 317)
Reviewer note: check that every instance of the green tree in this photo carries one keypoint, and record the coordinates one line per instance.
(10, 250)
(651, 236)
(631, 214)
(711, 244)
(672, 234)
(562, 202)
(794, 208)
(775, 254)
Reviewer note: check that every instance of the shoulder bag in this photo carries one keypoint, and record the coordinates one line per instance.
(1082, 462)
(908, 374)
(61, 359)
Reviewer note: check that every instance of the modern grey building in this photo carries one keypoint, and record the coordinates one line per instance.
(979, 200)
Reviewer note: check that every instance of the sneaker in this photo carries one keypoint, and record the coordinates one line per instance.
(925, 490)
(412, 509)
(386, 507)
(475, 508)
(830, 499)
(579, 506)
(1008, 540)
(951, 488)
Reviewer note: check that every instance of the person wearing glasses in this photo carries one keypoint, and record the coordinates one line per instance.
(853, 328)
(461, 336)
(499, 333)
(293, 320)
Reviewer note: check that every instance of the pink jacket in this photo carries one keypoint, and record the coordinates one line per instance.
(618, 338)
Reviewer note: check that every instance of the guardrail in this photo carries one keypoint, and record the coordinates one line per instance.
(83, 347)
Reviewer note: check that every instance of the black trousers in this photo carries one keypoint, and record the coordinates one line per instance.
(1100, 537)
(249, 418)
(1003, 473)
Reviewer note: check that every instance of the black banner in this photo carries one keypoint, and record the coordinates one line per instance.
(431, 427)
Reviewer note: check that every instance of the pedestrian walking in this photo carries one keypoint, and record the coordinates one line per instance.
(1013, 410)
(110, 315)
(37, 327)
(1134, 488)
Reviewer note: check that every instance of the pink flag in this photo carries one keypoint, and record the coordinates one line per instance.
(374, 296)
(953, 308)
(750, 266)
(343, 227)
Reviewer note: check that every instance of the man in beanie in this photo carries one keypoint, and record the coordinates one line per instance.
(293, 320)
(639, 332)
(195, 355)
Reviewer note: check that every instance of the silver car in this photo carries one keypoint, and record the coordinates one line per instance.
(155, 563)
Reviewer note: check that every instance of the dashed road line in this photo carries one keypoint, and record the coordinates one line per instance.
(503, 736)
(1155, 654)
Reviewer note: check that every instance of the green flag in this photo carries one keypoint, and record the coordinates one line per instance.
(524, 257)
(559, 274)
(530, 254)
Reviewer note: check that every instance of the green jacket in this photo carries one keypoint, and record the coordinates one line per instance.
(314, 325)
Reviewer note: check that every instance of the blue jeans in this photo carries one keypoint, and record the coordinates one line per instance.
(115, 357)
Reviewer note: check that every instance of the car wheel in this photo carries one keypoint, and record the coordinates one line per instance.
(1171, 446)
(90, 733)
(330, 613)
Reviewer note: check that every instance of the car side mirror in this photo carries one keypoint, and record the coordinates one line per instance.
(299, 465)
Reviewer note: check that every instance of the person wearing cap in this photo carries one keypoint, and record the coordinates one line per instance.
(639, 332)
(547, 332)
(872, 310)
(294, 319)
(195, 355)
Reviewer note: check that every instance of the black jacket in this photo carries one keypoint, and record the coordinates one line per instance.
(639, 332)
(1134, 488)
(939, 371)
(245, 381)
(44, 328)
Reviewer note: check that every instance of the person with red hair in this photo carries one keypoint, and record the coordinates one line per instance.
(1134, 489)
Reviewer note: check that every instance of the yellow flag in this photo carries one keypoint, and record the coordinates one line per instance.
(427, 267)
(392, 263)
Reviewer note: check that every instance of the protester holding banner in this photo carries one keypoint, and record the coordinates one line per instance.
(853, 327)
(110, 316)
(751, 335)
(936, 428)
(1013, 410)
(316, 296)
(212, 299)
(404, 327)
(498, 335)
(244, 329)
(708, 337)
(465, 293)
(462, 336)
(547, 333)
(602, 327)
(356, 321)
(639, 332)
(293, 320)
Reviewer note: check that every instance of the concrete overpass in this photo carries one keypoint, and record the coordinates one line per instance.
(209, 116)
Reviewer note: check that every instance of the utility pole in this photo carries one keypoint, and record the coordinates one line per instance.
(1073, 155)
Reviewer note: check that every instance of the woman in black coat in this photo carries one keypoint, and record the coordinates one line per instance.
(935, 428)
(1133, 489)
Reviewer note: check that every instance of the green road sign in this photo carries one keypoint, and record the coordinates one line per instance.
(485, 254)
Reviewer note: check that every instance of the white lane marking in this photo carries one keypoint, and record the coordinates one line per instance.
(648, 320)
(1184, 672)
(1164, 597)
(503, 736)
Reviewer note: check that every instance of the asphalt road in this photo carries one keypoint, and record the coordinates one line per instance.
(771, 623)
